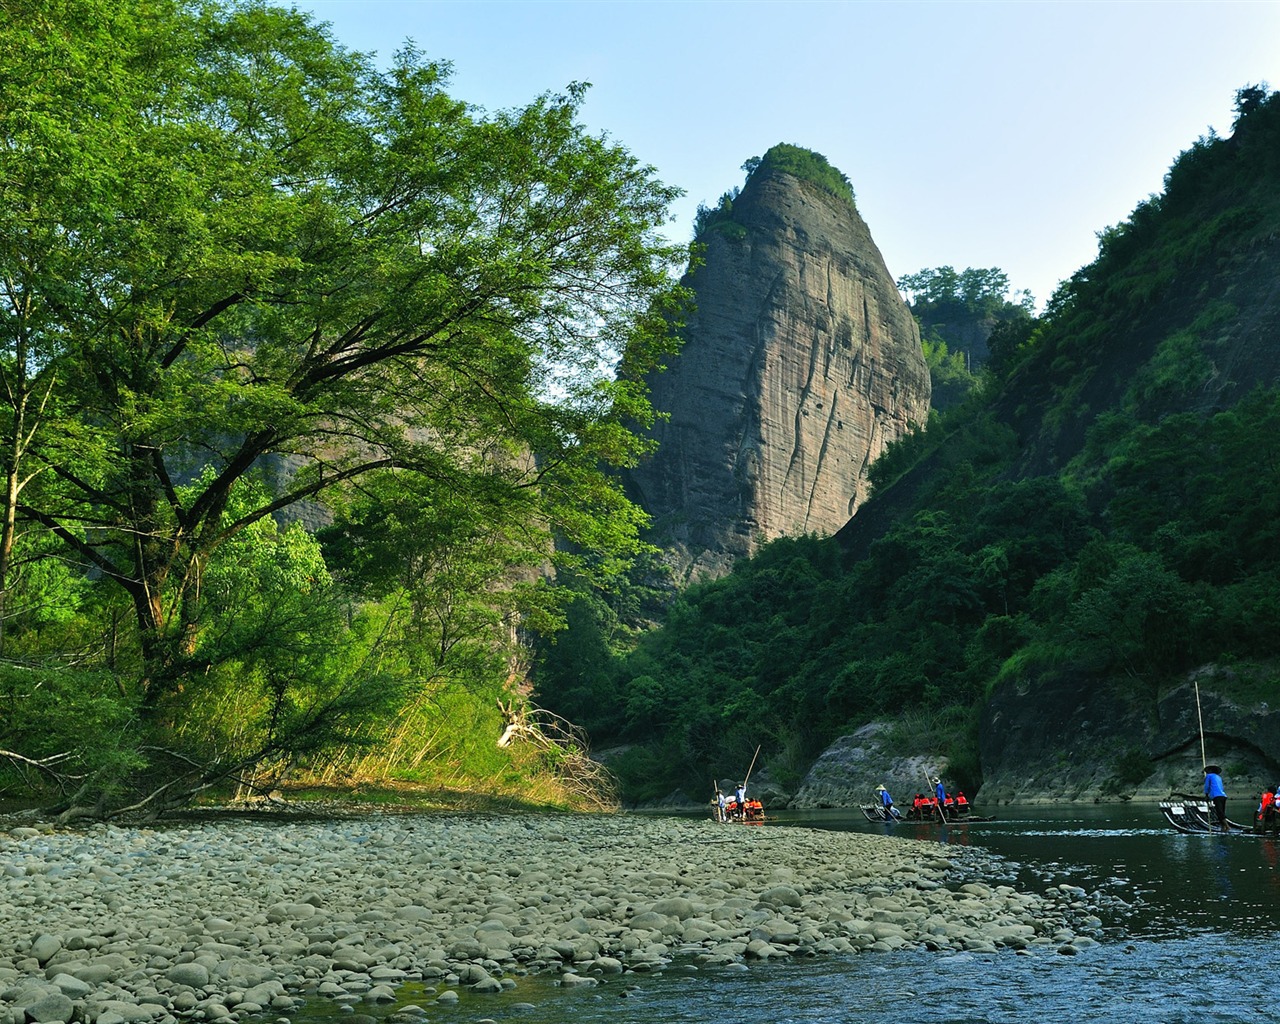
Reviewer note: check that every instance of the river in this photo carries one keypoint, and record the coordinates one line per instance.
(1196, 939)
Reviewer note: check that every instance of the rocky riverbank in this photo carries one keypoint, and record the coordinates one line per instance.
(230, 919)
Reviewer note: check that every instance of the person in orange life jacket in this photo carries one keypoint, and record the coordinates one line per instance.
(1264, 803)
(1216, 793)
(1268, 809)
(960, 800)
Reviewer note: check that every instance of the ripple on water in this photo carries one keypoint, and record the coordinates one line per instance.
(1203, 978)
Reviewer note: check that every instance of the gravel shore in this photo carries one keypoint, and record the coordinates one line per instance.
(230, 919)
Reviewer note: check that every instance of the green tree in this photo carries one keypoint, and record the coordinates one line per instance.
(949, 376)
(960, 311)
(1140, 620)
(243, 247)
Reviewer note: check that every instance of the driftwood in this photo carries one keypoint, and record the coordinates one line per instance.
(173, 782)
(566, 747)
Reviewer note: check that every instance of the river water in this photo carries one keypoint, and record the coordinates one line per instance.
(1195, 937)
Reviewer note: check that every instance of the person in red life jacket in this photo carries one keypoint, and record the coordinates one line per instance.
(961, 802)
(1264, 802)
(1265, 817)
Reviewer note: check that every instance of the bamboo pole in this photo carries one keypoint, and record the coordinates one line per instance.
(747, 778)
(1204, 761)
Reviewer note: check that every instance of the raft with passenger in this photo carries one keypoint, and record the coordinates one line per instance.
(750, 813)
(1193, 815)
(736, 808)
(952, 814)
(925, 811)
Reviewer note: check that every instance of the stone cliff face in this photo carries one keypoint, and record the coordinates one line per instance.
(848, 772)
(799, 366)
(1070, 738)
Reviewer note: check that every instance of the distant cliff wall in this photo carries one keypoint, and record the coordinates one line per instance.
(801, 363)
(1069, 738)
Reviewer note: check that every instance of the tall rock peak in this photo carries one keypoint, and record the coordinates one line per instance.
(800, 364)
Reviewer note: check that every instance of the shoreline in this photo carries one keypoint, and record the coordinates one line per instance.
(225, 919)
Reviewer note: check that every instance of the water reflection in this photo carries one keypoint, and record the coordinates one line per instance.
(1177, 884)
(1203, 979)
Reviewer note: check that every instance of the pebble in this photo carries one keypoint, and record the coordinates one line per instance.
(222, 920)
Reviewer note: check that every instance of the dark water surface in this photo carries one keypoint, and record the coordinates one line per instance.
(1199, 942)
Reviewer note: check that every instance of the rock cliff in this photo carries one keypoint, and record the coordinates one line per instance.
(801, 363)
(1066, 740)
(847, 773)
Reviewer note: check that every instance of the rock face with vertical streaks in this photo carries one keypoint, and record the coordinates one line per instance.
(801, 363)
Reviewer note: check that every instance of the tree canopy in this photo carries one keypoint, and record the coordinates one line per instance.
(983, 292)
(243, 268)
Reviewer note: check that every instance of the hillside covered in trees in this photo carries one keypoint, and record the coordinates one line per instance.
(958, 312)
(246, 279)
(1103, 510)
(249, 281)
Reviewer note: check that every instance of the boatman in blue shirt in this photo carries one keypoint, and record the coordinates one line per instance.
(940, 794)
(886, 802)
(1217, 795)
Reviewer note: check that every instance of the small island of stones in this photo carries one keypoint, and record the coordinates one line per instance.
(236, 919)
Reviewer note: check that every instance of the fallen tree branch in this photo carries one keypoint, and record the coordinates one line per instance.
(44, 763)
(570, 759)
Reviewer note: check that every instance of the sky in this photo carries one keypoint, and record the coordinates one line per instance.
(975, 134)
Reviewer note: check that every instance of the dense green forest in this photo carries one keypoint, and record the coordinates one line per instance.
(316, 384)
(957, 313)
(1107, 498)
(250, 281)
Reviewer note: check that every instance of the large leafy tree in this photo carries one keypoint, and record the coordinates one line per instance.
(232, 249)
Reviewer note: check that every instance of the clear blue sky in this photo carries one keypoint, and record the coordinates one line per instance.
(997, 134)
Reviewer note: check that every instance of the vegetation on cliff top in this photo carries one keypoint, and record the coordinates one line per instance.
(1103, 502)
(784, 158)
